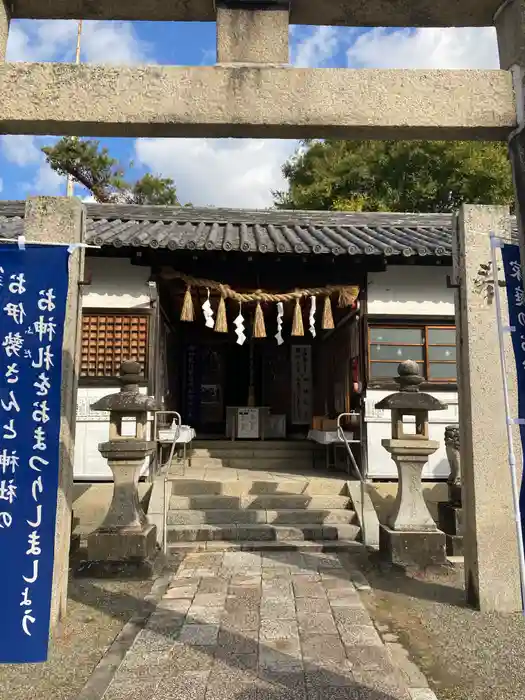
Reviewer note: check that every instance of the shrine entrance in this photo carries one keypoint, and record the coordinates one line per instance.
(220, 374)
(247, 355)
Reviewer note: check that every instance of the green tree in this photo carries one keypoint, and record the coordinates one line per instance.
(93, 167)
(419, 176)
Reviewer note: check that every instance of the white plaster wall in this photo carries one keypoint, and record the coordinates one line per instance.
(408, 291)
(93, 428)
(116, 284)
(405, 290)
(380, 464)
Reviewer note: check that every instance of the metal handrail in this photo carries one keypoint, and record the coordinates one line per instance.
(178, 423)
(342, 437)
(165, 469)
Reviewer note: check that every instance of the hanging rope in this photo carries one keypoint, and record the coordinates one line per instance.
(347, 294)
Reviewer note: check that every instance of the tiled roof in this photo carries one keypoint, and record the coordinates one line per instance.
(282, 232)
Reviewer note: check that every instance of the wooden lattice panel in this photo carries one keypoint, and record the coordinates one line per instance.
(109, 339)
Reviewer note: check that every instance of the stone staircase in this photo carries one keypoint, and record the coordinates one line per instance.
(258, 495)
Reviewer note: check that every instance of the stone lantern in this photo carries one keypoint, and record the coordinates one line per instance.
(125, 540)
(410, 536)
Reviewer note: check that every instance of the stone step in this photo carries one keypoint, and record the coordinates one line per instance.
(252, 445)
(274, 517)
(261, 532)
(272, 501)
(316, 486)
(236, 453)
(180, 548)
(259, 463)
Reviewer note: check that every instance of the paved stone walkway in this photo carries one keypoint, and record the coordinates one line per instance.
(251, 626)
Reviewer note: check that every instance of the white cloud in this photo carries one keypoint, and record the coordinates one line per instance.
(219, 172)
(20, 150)
(25, 152)
(113, 43)
(425, 48)
(47, 181)
(315, 49)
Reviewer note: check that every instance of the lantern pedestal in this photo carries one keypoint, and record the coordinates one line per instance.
(410, 537)
(410, 512)
(412, 549)
(126, 543)
(125, 540)
(127, 553)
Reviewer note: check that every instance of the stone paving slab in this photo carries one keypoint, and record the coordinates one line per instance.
(262, 626)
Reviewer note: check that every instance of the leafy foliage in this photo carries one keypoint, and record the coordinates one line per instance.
(418, 176)
(94, 168)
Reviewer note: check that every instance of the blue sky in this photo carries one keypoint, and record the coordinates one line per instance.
(228, 172)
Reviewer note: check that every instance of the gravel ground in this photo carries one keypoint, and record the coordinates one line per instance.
(466, 655)
(97, 611)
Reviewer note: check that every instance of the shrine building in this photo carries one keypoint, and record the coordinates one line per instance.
(380, 289)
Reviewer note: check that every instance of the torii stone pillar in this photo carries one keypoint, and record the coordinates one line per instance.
(490, 543)
(61, 219)
(510, 27)
(253, 36)
(5, 18)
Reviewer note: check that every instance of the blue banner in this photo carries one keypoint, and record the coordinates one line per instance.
(33, 294)
(516, 304)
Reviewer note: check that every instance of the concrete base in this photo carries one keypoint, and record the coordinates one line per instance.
(419, 550)
(456, 562)
(138, 570)
(454, 545)
(450, 519)
(365, 511)
(75, 544)
(454, 494)
(156, 507)
(123, 544)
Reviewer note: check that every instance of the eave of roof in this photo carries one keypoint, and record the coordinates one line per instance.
(280, 232)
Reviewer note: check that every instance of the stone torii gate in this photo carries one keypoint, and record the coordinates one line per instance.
(253, 92)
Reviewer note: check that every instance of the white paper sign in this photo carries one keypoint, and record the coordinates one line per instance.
(248, 423)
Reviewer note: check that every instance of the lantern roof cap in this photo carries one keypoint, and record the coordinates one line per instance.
(129, 400)
(409, 397)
